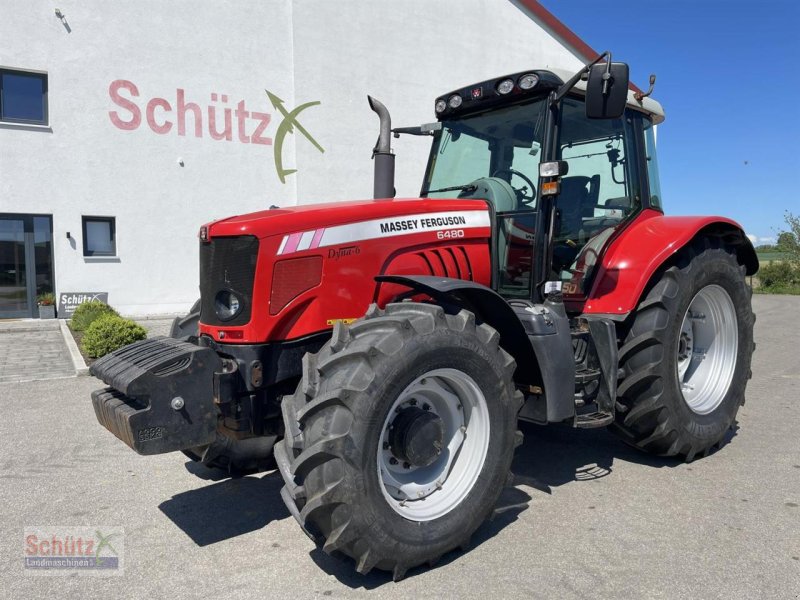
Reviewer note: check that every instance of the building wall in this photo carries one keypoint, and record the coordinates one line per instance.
(95, 159)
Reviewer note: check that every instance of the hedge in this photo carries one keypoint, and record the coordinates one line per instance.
(88, 312)
(109, 333)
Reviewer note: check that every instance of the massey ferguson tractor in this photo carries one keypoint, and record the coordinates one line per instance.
(381, 353)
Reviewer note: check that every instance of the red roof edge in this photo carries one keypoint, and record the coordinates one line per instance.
(549, 20)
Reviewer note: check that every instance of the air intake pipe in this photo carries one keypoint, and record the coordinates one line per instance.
(383, 186)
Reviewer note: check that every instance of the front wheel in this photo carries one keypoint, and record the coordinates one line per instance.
(400, 436)
(686, 358)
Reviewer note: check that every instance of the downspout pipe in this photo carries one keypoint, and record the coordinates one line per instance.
(383, 185)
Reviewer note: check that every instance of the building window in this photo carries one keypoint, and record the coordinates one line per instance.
(99, 236)
(23, 97)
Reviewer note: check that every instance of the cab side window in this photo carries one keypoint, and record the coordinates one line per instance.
(601, 190)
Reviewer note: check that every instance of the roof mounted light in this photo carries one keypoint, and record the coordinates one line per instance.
(440, 105)
(505, 86)
(455, 101)
(528, 81)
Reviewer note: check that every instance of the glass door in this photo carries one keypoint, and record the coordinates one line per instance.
(26, 263)
(14, 296)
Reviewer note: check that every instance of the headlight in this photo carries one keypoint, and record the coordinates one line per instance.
(440, 106)
(505, 86)
(528, 81)
(455, 101)
(227, 305)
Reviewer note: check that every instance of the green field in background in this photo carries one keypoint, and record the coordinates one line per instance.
(764, 257)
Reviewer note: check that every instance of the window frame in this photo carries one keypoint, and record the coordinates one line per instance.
(112, 221)
(45, 94)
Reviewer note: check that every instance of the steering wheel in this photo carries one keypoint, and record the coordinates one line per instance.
(523, 197)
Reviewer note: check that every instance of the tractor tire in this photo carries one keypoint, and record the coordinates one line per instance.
(236, 457)
(378, 389)
(686, 358)
(187, 326)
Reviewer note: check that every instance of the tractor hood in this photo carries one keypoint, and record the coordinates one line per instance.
(313, 216)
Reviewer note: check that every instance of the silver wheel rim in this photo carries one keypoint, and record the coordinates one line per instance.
(427, 493)
(707, 349)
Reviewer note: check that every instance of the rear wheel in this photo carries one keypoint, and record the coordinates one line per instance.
(686, 358)
(401, 435)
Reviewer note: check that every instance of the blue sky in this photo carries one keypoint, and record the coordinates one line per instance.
(728, 76)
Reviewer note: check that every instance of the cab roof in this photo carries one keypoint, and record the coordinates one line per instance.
(482, 95)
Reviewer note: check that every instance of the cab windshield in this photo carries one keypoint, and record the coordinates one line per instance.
(505, 144)
(495, 156)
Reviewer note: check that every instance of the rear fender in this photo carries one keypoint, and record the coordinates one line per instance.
(643, 247)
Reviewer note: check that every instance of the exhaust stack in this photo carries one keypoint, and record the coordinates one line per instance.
(383, 186)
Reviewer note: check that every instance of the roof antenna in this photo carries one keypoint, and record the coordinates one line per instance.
(639, 96)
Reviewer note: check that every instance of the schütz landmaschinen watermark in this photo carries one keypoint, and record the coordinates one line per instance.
(93, 550)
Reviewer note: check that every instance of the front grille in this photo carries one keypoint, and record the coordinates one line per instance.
(227, 263)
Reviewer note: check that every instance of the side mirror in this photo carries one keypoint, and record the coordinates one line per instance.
(607, 91)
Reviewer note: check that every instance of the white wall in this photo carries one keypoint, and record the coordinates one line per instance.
(403, 53)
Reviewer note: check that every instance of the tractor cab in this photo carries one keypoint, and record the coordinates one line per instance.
(493, 137)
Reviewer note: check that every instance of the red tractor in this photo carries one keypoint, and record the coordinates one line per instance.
(382, 352)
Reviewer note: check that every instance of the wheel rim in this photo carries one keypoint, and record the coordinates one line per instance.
(424, 493)
(707, 349)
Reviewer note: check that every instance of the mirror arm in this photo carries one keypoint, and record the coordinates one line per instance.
(562, 91)
(607, 76)
(639, 96)
(410, 131)
(426, 129)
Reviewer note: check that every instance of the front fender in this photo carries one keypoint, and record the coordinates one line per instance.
(644, 246)
(542, 348)
(484, 303)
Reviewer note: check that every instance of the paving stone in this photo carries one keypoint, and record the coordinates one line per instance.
(156, 327)
(29, 355)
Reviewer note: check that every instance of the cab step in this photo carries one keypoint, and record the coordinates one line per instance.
(594, 420)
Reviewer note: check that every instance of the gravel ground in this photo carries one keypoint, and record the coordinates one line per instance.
(593, 518)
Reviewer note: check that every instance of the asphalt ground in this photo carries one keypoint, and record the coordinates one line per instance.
(589, 517)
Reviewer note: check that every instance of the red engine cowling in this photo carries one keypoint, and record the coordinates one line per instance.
(316, 264)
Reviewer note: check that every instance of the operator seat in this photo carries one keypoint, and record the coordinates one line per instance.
(576, 202)
(499, 193)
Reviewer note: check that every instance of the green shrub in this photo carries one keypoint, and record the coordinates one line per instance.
(109, 333)
(779, 274)
(88, 312)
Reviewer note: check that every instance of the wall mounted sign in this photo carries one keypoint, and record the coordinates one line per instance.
(69, 301)
(238, 124)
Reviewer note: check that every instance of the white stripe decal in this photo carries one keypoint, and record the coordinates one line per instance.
(404, 225)
(283, 244)
(305, 241)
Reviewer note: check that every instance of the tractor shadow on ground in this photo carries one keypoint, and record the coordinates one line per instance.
(549, 457)
(556, 455)
(228, 508)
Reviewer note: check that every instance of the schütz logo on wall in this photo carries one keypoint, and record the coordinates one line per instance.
(223, 122)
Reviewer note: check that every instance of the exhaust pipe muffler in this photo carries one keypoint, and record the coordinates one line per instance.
(383, 184)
